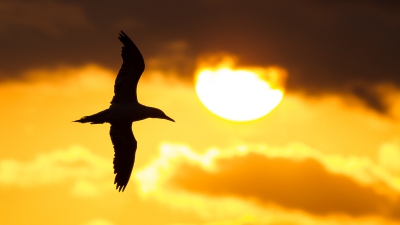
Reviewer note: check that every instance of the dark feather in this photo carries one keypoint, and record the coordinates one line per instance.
(125, 148)
(98, 118)
(130, 72)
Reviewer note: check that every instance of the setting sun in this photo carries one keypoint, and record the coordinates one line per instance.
(240, 94)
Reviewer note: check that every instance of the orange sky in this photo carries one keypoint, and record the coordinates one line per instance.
(325, 160)
(328, 154)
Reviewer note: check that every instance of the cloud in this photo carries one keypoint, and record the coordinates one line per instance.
(99, 221)
(250, 179)
(245, 220)
(87, 188)
(371, 98)
(389, 156)
(172, 59)
(327, 47)
(75, 164)
(304, 185)
(50, 17)
(278, 220)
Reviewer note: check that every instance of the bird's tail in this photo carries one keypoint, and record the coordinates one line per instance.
(98, 118)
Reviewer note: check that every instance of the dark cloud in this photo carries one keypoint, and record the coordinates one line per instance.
(325, 45)
(301, 185)
(371, 98)
(50, 18)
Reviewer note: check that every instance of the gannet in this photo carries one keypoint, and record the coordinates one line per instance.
(124, 110)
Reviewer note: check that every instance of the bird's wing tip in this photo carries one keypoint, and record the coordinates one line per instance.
(122, 34)
(120, 188)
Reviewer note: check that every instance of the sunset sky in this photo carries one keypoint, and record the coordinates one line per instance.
(328, 154)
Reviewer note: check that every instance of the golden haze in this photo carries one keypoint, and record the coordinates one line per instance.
(54, 171)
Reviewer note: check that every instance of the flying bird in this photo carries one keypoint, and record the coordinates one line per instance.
(124, 110)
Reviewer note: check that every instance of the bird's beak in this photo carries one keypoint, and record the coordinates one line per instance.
(168, 118)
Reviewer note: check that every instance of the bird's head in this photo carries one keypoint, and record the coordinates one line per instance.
(157, 113)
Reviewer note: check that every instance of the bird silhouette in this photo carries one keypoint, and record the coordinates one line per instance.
(124, 110)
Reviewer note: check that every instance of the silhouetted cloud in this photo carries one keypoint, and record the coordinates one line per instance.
(303, 185)
(324, 45)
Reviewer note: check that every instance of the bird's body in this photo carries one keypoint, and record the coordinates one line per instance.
(124, 110)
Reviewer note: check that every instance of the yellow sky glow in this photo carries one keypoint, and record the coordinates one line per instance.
(51, 168)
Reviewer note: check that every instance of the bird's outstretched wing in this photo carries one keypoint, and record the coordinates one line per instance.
(130, 72)
(125, 148)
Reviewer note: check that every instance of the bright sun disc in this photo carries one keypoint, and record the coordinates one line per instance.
(240, 95)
